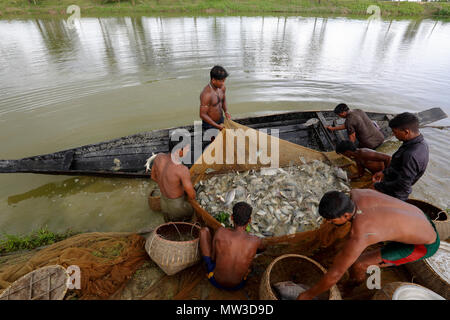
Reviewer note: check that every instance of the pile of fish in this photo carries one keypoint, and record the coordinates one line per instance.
(284, 200)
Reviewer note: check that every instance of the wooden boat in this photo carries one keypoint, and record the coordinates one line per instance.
(126, 156)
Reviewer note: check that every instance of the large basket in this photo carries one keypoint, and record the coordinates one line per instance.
(399, 291)
(430, 274)
(295, 268)
(154, 200)
(47, 283)
(170, 255)
(440, 217)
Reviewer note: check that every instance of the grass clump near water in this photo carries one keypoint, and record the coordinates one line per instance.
(151, 7)
(39, 238)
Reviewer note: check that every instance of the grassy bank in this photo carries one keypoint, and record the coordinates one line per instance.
(29, 8)
(39, 238)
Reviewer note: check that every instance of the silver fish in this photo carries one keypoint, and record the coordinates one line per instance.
(230, 197)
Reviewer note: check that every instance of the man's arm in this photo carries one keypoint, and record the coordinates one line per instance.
(154, 174)
(224, 105)
(361, 170)
(352, 137)
(405, 176)
(351, 125)
(187, 183)
(377, 156)
(204, 105)
(341, 127)
(261, 246)
(343, 260)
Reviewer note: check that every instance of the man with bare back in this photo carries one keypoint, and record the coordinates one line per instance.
(375, 217)
(213, 101)
(174, 180)
(229, 254)
(365, 158)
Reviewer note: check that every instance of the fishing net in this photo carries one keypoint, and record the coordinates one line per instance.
(106, 261)
(240, 148)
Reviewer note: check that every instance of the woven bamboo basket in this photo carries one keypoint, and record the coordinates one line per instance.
(154, 200)
(170, 254)
(47, 283)
(430, 273)
(440, 217)
(405, 291)
(295, 268)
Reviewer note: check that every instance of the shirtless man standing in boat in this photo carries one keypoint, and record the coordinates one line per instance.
(374, 217)
(230, 253)
(174, 180)
(213, 101)
(365, 158)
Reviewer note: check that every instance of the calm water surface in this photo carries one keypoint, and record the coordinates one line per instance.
(62, 88)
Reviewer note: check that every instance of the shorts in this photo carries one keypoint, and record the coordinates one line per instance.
(398, 253)
(210, 266)
(176, 209)
(206, 125)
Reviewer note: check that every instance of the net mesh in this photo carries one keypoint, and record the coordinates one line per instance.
(106, 261)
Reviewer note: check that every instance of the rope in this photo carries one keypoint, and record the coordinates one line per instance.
(439, 214)
(179, 233)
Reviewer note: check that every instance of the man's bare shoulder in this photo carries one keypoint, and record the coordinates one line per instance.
(182, 169)
(160, 158)
(222, 233)
(205, 92)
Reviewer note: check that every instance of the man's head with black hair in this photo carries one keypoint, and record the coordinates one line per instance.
(346, 148)
(242, 212)
(405, 126)
(337, 207)
(341, 110)
(218, 75)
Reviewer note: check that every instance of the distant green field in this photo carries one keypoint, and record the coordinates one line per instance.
(26, 8)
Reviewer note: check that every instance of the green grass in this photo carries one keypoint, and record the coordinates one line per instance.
(25, 8)
(41, 237)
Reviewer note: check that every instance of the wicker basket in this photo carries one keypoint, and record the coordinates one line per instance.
(427, 274)
(440, 217)
(170, 254)
(154, 200)
(393, 290)
(47, 283)
(296, 268)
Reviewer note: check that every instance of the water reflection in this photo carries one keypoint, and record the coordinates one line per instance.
(105, 53)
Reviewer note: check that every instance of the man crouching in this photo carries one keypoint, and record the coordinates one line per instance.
(230, 253)
(174, 181)
(375, 217)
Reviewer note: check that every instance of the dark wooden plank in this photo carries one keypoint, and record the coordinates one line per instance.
(431, 115)
(68, 157)
(329, 144)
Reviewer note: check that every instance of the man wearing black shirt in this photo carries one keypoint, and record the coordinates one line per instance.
(408, 163)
